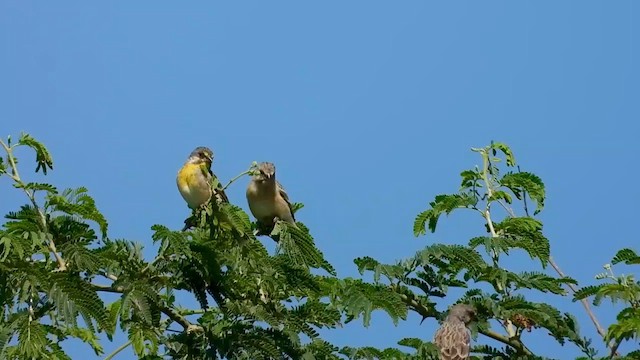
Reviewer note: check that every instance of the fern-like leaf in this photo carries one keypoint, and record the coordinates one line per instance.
(442, 204)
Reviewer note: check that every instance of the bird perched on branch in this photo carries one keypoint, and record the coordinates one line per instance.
(453, 338)
(267, 199)
(195, 178)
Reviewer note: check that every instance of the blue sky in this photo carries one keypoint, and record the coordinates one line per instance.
(367, 108)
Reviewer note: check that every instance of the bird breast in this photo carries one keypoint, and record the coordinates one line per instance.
(261, 201)
(193, 185)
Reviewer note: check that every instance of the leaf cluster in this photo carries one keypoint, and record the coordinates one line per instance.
(63, 277)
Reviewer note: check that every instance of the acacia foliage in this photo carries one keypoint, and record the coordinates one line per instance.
(57, 261)
(506, 200)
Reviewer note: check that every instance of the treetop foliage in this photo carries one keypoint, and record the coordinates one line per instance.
(57, 262)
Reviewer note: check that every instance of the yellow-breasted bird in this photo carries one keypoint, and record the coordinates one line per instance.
(195, 178)
(452, 338)
(267, 199)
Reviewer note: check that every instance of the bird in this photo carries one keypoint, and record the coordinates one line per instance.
(268, 201)
(452, 338)
(195, 177)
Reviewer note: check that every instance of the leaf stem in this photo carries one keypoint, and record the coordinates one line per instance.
(236, 178)
(573, 288)
(15, 175)
(585, 302)
(486, 165)
(170, 312)
(116, 351)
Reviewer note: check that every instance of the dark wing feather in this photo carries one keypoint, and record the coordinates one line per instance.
(221, 196)
(217, 187)
(284, 195)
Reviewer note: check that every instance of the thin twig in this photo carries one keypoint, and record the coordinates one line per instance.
(170, 312)
(175, 316)
(15, 175)
(109, 276)
(614, 348)
(524, 197)
(574, 289)
(192, 312)
(584, 302)
(236, 178)
(107, 288)
(508, 209)
(486, 164)
(116, 351)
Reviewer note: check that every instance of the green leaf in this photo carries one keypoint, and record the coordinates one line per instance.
(522, 182)
(43, 158)
(32, 340)
(3, 167)
(586, 292)
(500, 195)
(371, 353)
(470, 179)
(627, 327)
(78, 202)
(71, 296)
(37, 187)
(524, 233)
(237, 217)
(627, 256)
(389, 271)
(171, 242)
(358, 298)
(300, 246)
(442, 204)
(506, 150)
(458, 256)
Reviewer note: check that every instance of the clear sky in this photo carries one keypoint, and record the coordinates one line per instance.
(368, 109)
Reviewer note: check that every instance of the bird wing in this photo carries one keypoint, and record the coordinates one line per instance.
(217, 187)
(219, 191)
(284, 195)
(453, 340)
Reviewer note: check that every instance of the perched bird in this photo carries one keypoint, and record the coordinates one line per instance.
(267, 199)
(452, 338)
(195, 177)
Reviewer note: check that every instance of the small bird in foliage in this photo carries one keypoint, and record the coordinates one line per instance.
(267, 199)
(453, 338)
(195, 177)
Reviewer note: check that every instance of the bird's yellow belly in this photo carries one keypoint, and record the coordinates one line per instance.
(193, 186)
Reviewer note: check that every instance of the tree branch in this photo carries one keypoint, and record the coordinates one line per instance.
(573, 288)
(237, 177)
(486, 164)
(15, 175)
(514, 342)
(585, 302)
(116, 351)
(175, 316)
(170, 312)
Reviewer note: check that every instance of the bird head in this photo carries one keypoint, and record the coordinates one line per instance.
(201, 154)
(462, 312)
(266, 171)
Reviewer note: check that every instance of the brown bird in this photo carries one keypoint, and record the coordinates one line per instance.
(453, 338)
(267, 199)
